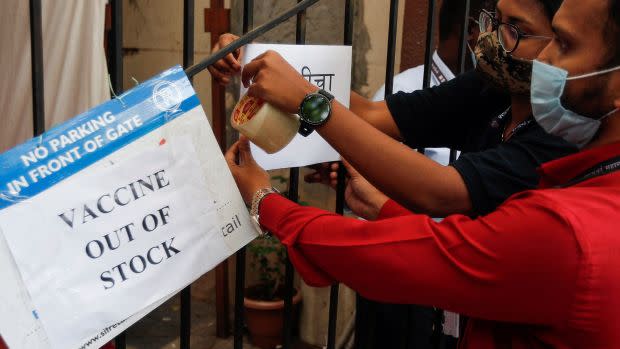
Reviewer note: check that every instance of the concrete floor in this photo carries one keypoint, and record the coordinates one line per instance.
(160, 329)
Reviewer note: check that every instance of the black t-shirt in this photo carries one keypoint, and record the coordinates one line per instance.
(466, 114)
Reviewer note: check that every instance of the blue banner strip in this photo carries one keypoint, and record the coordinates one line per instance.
(66, 149)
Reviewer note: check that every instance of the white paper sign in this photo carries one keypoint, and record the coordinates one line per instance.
(328, 67)
(112, 213)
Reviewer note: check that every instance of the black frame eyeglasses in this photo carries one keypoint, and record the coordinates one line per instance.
(509, 35)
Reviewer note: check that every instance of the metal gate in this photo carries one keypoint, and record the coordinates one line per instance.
(364, 308)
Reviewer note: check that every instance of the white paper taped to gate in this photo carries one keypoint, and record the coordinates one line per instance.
(328, 67)
(117, 209)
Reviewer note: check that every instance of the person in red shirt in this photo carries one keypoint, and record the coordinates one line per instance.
(540, 271)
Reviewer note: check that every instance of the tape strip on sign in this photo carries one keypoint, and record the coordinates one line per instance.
(115, 210)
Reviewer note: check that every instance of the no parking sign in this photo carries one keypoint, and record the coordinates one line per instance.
(117, 209)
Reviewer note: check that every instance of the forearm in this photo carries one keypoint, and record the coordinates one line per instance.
(457, 265)
(408, 177)
(376, 114)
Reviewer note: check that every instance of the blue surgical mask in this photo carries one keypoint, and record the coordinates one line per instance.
(548, 83)
(474, 59)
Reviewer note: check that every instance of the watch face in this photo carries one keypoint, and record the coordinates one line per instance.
(315, 109)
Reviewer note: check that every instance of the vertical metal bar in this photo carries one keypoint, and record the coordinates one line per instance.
(293, 194)
(464, 36)
(239, 294)
(116, 80)
(36, 53)
(430, 42)
(340, 189)
(391, 51)
(116, 46)
(368, 312)
(428, 59)
(289, 273)
(248, 15)
(188, 61)
(462, 54)
(248, 22)
(430, 45)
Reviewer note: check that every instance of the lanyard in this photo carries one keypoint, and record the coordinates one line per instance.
(437, 72)
(501, 118)
(601, 169)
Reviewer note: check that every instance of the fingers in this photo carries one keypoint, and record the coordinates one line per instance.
(249, 71)
(352, 171)
(220, 77)
(314, 177)
(245, 152)
(231, 155)
(233, 63)
(252, 69)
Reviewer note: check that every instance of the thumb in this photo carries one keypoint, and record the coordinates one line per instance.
(352, 171)
(245, 152)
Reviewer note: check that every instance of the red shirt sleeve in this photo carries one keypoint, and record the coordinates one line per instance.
(392, 209)
(518, 264)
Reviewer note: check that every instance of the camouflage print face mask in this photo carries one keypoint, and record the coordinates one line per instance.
(501, 69)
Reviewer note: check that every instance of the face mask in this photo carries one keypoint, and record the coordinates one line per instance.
(501, 69)
(474, 60)
(548, 84)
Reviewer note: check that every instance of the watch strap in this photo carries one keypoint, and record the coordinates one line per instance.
(305, 129)
(326, 94)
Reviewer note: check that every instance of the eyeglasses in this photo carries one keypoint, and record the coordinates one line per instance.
(509, 35)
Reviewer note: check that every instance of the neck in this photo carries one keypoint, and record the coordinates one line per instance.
(609, 132)
(446, 51)
(521, 109)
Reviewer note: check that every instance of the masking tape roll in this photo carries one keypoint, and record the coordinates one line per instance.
(266, 126)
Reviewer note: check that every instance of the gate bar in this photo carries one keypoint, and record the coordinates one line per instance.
(391, 50)
(188, 60)
(36, 55)
(248, 22)
(340, 189)
(116, 80)
(116, 46)
(249, 37)
(428, 59)
(430, 42)
(462, 52)
(293, 193)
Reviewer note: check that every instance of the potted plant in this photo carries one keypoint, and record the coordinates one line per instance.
(264, 300)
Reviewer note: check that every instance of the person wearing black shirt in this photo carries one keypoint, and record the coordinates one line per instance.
(502, 146)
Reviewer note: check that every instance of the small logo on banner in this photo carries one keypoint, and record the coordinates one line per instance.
(167, 96)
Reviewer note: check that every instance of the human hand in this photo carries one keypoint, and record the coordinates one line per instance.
(362, 197)
(272, 79)
(250, 177)
(325, 173)
(224, 69)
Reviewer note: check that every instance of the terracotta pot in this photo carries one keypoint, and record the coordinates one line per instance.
(265, 320)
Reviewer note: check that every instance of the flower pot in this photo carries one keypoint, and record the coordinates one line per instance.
(265, 320)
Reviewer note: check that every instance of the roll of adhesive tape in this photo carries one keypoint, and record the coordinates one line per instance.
(266, 126)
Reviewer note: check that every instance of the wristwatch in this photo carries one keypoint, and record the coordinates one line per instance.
(314, 111)
(256, 201)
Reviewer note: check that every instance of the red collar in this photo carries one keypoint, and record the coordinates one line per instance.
(560, 171)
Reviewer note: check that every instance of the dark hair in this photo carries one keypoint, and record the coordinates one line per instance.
(551, 7)
(451, 15)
